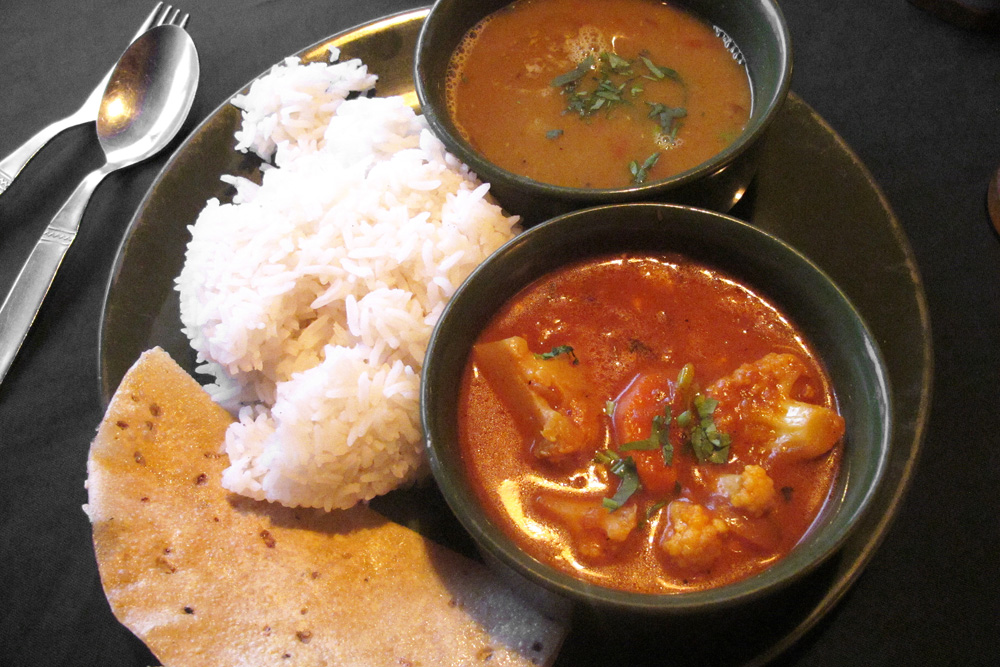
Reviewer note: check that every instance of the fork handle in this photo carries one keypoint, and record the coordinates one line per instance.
(11, 165)
(32, 283)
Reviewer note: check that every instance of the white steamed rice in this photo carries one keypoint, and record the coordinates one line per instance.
(311, 297)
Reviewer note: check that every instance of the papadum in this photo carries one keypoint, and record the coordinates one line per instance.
(205, 577)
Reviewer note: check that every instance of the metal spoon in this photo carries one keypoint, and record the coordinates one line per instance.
(145, 103)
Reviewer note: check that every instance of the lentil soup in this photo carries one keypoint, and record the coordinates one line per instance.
(597, 93)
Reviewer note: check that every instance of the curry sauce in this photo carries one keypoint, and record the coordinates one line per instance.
(649, 424)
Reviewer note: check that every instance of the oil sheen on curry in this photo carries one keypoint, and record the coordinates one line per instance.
(597, 93)
(648, 424)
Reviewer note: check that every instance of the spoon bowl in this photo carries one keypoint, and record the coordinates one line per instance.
(145, 103)
(149, 95)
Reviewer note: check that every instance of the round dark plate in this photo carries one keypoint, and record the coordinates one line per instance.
(811, 191)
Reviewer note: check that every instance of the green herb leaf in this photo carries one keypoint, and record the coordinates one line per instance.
(640, 172)
(667, 450)
(659, 72)
(685, 378)
(609, 408)
(656, 507)
(556, 351)
(574, 74)
(553, 134)
(653, 69)
(707, 442)
(657, 435)
(705, 405)
(606, 456)
(666, 117)
(618, 64)
(647, 445)
(625, 469)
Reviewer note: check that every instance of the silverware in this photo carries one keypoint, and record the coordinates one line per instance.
(11, 165)
(148, 97)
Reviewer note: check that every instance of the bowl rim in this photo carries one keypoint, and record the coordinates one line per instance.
(491, 172)
(498, 547)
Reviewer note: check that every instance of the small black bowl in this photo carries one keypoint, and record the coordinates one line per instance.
(770, 267)
(756, 27)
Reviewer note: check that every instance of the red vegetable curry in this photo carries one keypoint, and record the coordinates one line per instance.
(648, 424)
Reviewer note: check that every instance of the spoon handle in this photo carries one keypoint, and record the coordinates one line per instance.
(32, 283)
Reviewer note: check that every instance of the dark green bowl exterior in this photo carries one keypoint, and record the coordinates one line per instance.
(756, 26)
(773, 269)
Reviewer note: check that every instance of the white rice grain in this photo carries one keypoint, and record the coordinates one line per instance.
(310, 298)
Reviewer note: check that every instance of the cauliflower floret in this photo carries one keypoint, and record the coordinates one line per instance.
(751, 491)
(756, 401)
(693, 537)
(594, 528)
(548, 393)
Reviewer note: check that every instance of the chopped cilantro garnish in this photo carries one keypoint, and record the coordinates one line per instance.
(574, 74)
(553, 134)
(640, 172)
(606, 456)
(658, 71)
(617, 64)
(707, 442)
(656, 507)
(556, 351)
(667, 117)
(618, 82)
(625, 469)
(685, 378)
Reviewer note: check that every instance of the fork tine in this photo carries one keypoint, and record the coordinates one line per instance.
(154, 19)
(176, 18)
(162, 11)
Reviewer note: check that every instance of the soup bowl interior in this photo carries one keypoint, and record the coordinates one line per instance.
(757, 29)
(773, 269)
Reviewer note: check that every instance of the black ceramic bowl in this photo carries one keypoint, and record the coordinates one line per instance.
(776, 271)
(756, 27)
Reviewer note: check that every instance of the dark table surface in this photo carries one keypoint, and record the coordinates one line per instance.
(917, 99)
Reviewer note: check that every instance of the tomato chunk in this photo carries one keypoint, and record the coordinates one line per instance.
(646, 397)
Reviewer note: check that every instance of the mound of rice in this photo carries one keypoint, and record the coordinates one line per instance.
(311, 297)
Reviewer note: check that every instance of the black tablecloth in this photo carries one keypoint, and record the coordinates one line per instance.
(916, 98)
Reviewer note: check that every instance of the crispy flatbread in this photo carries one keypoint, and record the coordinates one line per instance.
(205, 577)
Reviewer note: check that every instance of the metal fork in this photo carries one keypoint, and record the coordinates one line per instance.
(11, 165)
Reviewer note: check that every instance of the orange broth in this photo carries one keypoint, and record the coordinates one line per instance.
(503, 97)
(632, 323)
